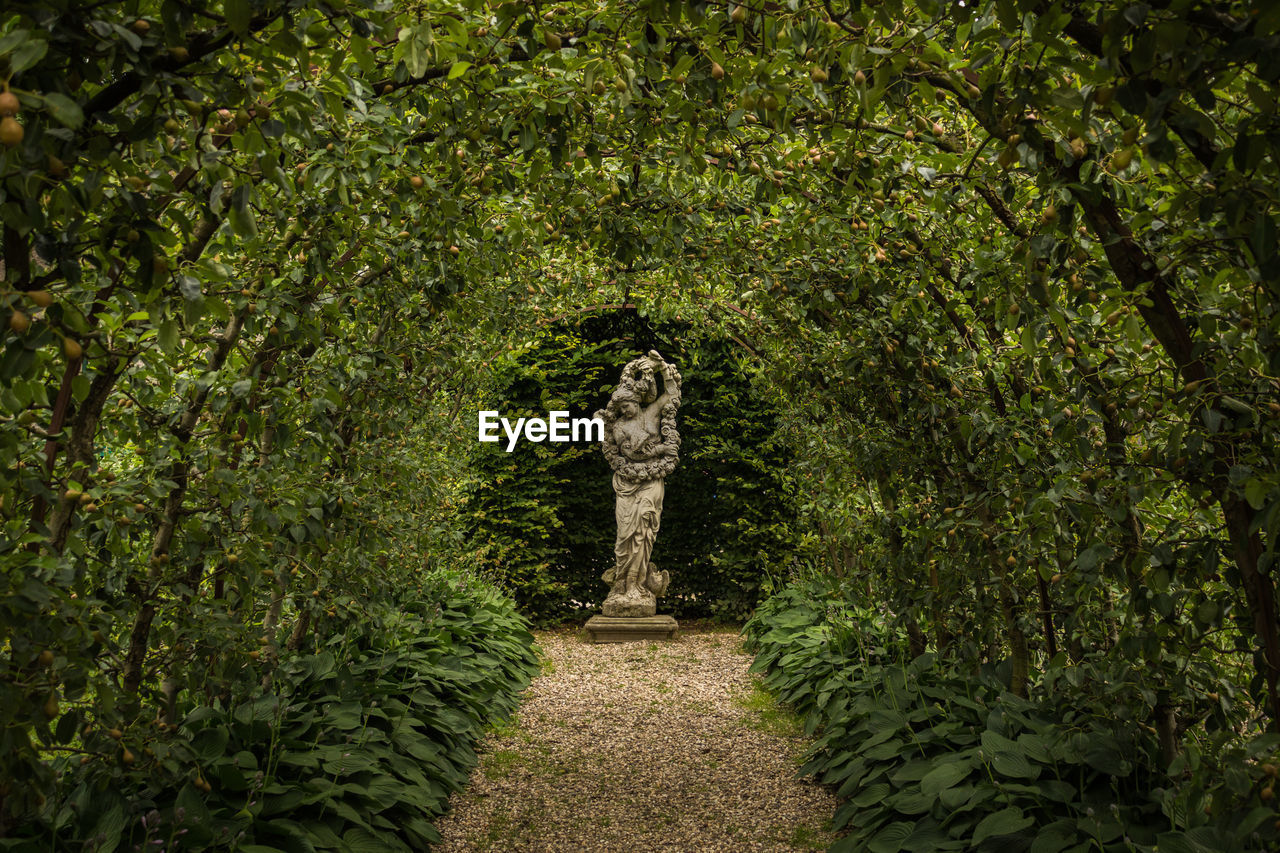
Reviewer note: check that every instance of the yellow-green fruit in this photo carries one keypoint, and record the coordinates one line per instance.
(10, 131)
(1122, 158)
(19, 322)
(552, 40)
(717, 71)
(818, 74)
(738, 15)
(72, 349)
(9, 104)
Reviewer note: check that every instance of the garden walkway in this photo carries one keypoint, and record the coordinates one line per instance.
(644, 746)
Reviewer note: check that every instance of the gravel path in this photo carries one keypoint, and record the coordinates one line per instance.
(646, 746)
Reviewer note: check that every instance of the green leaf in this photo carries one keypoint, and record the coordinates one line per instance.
(360, 840)
(1052, 839)
(1108, 760)
(64, 110)
(243, 222)
(109, 827)
(871, 795)
(1014, 765)
(24, 49)
(1180, 842)
(168, 334)
(528, 137)
(942, 778)
(1256, 491)
(189, 285)
(891, 838)
(1003, 822)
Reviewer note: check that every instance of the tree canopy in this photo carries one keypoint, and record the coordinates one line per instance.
(1007, 268)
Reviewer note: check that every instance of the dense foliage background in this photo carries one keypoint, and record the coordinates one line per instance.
(1006, 272)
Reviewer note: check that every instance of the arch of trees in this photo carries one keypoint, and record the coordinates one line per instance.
(1009, 268)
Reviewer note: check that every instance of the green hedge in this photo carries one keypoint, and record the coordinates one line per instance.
(357, 747)
(925, 757)
(541, 518)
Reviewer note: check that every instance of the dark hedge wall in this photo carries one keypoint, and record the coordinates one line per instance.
(541, 517)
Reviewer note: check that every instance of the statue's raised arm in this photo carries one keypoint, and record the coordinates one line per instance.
(670, 381)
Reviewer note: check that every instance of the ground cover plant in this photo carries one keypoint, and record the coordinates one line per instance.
(929, 756)
(355, 745)
(1002, 274)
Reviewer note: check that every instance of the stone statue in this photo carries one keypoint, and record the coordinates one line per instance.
(642, 446)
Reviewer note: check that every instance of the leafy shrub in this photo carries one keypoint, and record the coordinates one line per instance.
(356, 747)
(929, 758)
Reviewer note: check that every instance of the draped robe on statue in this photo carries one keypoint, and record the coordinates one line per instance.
(639, 513)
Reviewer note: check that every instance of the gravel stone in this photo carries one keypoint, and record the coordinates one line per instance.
(665, 746)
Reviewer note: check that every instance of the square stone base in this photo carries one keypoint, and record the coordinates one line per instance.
(609, 629)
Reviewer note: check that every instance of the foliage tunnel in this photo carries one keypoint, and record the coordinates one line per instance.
(1007, 272)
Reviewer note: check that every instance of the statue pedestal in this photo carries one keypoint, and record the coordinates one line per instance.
(623, 629)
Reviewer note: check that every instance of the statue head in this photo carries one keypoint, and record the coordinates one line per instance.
(625, 402)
